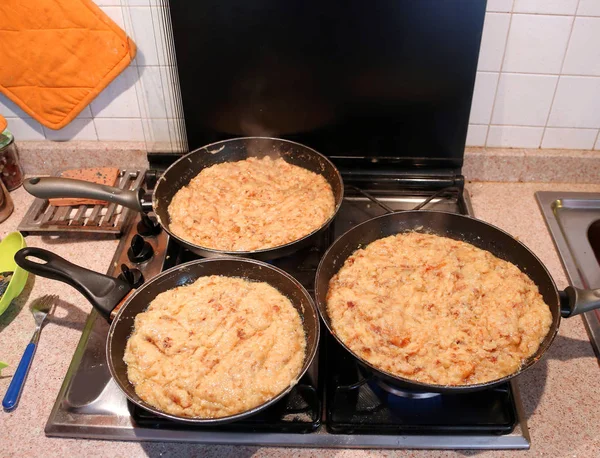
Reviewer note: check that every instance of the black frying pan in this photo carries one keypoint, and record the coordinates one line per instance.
(183, 170)
(483, 235)
(116, 302)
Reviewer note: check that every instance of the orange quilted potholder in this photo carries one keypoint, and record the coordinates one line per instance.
(58, 55)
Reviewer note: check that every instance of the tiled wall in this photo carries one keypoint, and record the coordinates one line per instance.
(538, 81)
(138, 105)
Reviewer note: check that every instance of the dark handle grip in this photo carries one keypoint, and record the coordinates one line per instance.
(11, 398)
(579, 301)
(48, 188)
(103, 292)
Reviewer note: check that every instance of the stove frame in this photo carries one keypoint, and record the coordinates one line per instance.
(90, 405)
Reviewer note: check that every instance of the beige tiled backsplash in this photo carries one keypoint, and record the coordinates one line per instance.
(538, 81)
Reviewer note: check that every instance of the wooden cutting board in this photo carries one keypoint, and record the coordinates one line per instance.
(103, 175)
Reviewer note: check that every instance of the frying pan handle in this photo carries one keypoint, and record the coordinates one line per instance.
(50, 187)
(579, 300)
(103, 292)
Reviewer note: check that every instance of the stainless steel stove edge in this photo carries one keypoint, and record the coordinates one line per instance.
(518, 439)
(315, 440)
(546, 200)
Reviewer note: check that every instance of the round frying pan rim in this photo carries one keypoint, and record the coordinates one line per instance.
(262, 250)
(322, 308)
(308, 360)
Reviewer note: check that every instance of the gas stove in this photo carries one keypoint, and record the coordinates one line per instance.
(337, 403)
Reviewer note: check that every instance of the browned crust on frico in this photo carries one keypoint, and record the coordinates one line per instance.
(251, 205)
(437, 310)
(217, 347)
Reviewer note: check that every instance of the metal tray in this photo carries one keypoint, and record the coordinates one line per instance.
(109, 218)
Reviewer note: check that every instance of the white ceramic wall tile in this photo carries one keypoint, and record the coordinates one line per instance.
(78, 129)
(583, 53)
(25, 129)
(493, 41)
(558, 137)
(138, 105)
(119, 98)
(144, 35)
(161, 135)
(161, 44)
(152, 94)
(119, 129)
(502, 6)
(545, 6)
(536, 43)
(166, 75)
(476, 135)
(589, 8)
(160, 130)
(108, 2)
(115, 13)
(483, 97)
(523, 100)
(576, 103)
(85, 113)
(514, 136)
(9, 108)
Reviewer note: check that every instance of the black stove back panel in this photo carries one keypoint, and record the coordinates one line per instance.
(356, 80)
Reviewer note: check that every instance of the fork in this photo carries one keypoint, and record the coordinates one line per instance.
(39, 308)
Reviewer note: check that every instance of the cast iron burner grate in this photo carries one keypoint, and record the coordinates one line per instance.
(359, 405)
(335, 404)
(355, 403)
(298, 412)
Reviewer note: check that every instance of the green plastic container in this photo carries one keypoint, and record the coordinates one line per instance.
(9, 245)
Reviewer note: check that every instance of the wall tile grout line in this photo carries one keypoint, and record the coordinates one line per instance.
(574, 75)
(95, 128)
(596, 140)
(540, 126)
(487, 134)
(523, 13)
(562, 65)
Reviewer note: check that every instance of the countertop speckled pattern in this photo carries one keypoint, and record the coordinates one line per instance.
(561, 393)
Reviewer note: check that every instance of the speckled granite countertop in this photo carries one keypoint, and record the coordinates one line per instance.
(561, 393)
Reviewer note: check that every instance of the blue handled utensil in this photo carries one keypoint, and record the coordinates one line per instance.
(39, 308)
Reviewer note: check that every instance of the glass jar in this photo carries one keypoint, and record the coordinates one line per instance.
(11, 172)
(6, 203)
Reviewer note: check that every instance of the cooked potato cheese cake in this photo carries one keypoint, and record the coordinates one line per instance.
(436, 310)
(251, 205)
(216, 347)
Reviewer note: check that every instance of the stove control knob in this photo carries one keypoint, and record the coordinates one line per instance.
(134, 277)
(148, 226)
(140, 250)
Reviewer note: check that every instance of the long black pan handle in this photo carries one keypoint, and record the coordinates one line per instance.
(580, 301)
(103, 292)
(50, 187)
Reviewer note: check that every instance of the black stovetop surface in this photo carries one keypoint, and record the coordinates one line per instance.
(337, 393)
(348, 402)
